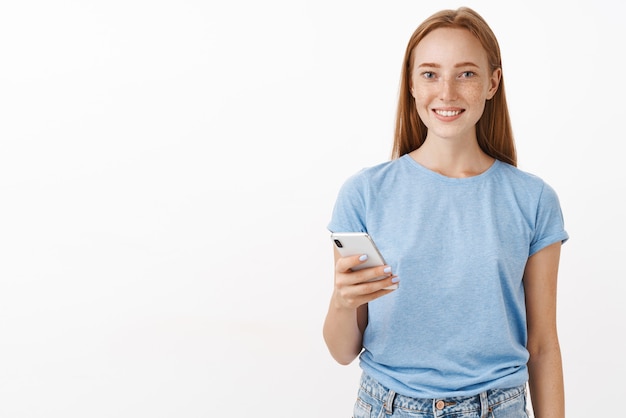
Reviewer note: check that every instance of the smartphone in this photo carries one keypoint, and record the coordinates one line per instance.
(357, 243)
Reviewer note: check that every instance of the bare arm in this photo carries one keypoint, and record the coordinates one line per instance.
(347, 313)
(545, 367)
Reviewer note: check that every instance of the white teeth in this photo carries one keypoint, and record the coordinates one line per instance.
(447, 112)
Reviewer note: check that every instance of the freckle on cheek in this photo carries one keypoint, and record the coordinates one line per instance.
(472, 93)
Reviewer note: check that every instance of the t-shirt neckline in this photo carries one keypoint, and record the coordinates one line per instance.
(456, 180)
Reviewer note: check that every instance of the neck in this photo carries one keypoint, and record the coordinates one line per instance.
(452, 160)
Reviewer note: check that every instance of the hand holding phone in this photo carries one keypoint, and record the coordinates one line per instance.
(358, 243)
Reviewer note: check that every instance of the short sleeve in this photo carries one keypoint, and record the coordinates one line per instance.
(549, 225)
(348, 214)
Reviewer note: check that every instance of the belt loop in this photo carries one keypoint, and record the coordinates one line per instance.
(484, 405)
(388, 405)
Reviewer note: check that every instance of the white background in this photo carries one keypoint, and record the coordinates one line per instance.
(167, 170)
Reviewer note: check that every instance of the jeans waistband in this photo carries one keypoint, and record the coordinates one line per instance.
(481, 402)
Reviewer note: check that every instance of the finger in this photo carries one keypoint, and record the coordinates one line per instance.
(364, 275)
(348, 264)
(345, 264)
(359, 293)
(373, 286)
(356, 300)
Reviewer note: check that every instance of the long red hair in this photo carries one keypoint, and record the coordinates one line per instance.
(493, 130)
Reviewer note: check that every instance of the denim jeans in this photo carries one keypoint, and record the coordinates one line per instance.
(376, 401)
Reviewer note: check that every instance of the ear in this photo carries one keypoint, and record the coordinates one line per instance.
(494, 83)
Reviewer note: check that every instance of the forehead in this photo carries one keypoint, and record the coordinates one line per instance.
(449, 46)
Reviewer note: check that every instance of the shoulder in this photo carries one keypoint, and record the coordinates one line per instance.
(380, 169)
(374, 174)
(519, 174)
(524, 179)
(528, 188)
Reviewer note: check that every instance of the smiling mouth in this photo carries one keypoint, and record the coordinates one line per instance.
(448, 113)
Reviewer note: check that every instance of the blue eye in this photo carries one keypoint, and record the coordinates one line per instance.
(467, 74)
(428, 74)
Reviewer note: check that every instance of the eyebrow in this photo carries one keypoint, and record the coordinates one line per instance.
(460, 64)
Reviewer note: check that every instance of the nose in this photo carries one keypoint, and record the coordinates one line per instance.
(447, 90)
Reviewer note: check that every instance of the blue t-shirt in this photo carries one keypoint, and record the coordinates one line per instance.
(457, 324)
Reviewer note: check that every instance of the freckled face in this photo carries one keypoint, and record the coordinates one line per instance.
(451, 81)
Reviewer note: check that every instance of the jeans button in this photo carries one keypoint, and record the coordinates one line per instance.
(440, 404)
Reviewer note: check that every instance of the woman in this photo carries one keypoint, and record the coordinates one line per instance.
(473, 242)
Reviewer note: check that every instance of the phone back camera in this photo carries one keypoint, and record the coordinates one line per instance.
(338, 243)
